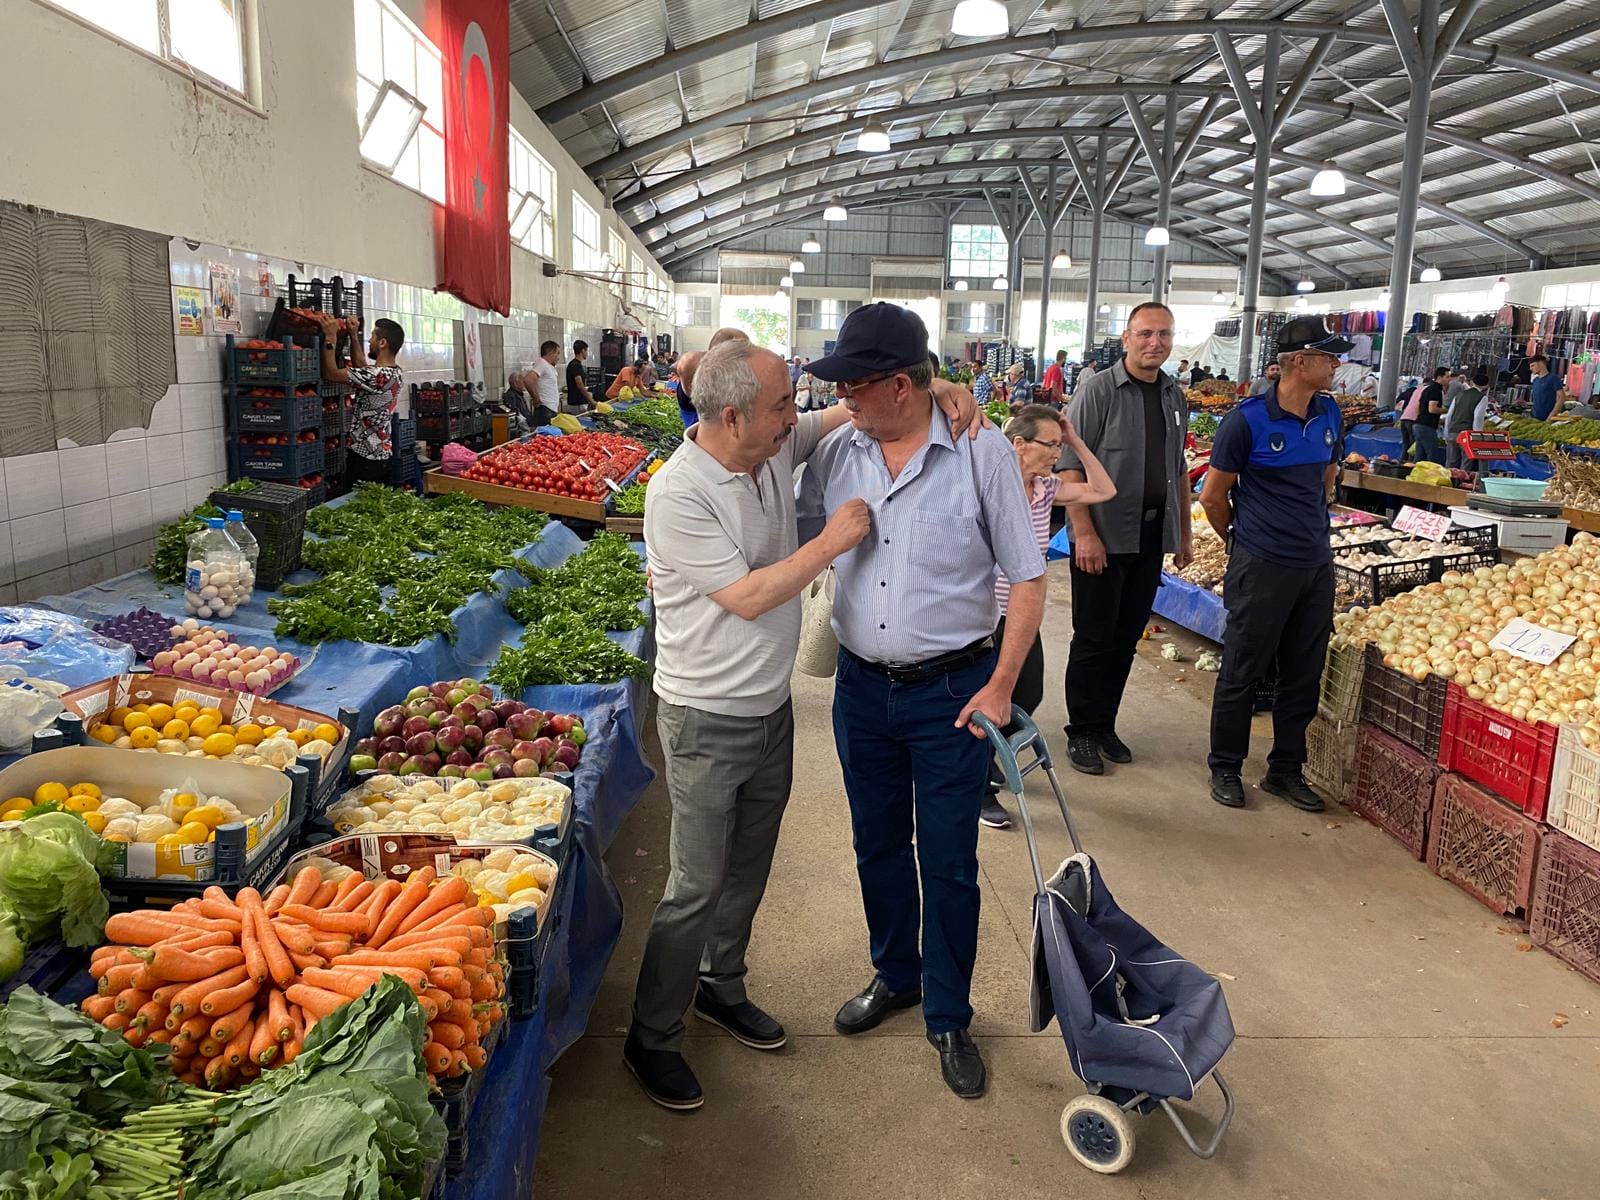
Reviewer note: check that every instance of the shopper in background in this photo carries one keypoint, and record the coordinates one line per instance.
(631, 376)
(915, 614)
(1134, 417)
(1430, 411)
(1055, 376)
(1463, 418)
(1037, 434)
(1019, 391)
(1273, 465)
(1545, 387)
(1183, 374)
(1085, 373)
(547, 384)
(1409, 407)
(1269, 379)
(1458, 380)
(578, 397)
(648, 378)
(376, 381)
(727, 572)
(515, 398)
(982, 382)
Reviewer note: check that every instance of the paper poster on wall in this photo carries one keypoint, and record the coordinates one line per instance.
(191, 311)
(224, 316)
(474, 343)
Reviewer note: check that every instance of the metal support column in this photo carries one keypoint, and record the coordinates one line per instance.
(1047, 219)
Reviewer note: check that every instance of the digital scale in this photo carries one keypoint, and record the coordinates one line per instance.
(1486, 447)
(1505, 507)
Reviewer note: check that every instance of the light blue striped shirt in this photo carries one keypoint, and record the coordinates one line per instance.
(922, 582)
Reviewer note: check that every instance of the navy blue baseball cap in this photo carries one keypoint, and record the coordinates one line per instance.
(1310, 333)
(874, 340)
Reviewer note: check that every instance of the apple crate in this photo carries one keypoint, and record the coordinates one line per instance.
(1342, 676)
(1483, 846)
(1511, 758)
(1409, 709)
(1565, 917)
(1330, 752)
(1393, 788)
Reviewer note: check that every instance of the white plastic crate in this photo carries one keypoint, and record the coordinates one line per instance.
(1575, 789)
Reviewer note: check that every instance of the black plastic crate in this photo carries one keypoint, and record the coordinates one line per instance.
(271, 410)
(276, 514)
(46, 967)
(1467, 561)
(292, 364)
(294, 461)
(333, 459)
(1409, 709)
(455, 1100)
(316, 495)
(402, 433)
(335, 419)
(1376, 583)
(438, 429)
(1479, 537)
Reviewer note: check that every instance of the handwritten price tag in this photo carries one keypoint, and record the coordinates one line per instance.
(1422, 524)
(614, 488)
(1532, 642)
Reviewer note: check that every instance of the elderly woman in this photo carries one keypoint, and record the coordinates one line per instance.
(1037, 433)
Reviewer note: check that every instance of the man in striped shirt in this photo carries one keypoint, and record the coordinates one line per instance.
(1037, 434)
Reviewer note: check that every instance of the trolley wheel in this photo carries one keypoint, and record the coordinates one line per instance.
(1098, 1133)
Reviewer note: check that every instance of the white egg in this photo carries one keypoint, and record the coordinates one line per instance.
(226, 610)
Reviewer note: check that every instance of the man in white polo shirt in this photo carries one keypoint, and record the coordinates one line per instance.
(727, 574)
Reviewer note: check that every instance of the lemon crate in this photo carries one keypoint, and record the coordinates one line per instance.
(1330, 757)
(1482, 845)
(1575, 789)
(1393, 787)
(1342, 676)
(1565, 917)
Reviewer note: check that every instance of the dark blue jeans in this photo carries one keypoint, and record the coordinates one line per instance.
(909, 771)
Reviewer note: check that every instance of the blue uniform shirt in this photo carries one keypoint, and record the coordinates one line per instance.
(1544, 391)
(1280, 502)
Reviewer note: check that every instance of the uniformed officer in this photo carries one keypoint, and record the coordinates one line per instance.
(1273, 464)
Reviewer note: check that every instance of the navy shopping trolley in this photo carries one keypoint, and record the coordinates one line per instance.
(1143, 1026)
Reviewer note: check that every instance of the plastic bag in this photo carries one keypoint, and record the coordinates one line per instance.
(455, 458)
(26, 706)
(49, 645)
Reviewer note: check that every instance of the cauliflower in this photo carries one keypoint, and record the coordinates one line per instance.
(502, 858)
(459, 810)
(531, 896)
(116, 806)
(125, 826)
(427, 787)
(504, 792)
(382, 783)
(318, 747)
(464, 787)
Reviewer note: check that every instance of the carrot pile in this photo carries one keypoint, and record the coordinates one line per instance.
(234, 985)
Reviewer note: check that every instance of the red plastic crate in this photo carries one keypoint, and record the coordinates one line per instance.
(1509, 757)
(1393, 787)
(1565, 917)
(1483, 847)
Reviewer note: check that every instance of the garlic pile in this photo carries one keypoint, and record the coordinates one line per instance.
(1445, 628)
(507, 810)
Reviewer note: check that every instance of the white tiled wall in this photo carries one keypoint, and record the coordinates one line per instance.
(75, 516)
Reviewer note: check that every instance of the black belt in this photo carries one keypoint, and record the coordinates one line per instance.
(929, 668)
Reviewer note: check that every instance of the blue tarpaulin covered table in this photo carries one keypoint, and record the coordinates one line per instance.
(1195, 608)
(1374, 441)
(612, 775)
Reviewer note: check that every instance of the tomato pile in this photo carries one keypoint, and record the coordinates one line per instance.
(576, 465)
(277, 439)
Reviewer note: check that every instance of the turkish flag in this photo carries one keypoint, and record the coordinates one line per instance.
(474, 226)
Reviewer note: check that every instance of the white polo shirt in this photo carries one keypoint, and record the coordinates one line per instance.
(706, 528)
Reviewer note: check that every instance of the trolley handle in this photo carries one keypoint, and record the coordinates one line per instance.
(1007, 750)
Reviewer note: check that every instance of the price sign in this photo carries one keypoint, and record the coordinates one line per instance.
(1422, 524)
(1532, 642)
(614, 488)
(585, 465)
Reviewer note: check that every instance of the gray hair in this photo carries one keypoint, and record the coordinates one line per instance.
(1030, 419)
(725, 378)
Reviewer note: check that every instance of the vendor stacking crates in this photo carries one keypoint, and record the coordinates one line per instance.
(274, 412)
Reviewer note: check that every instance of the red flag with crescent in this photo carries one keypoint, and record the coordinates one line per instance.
(474, 224)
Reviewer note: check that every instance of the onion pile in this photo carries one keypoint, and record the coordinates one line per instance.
(1445, 628)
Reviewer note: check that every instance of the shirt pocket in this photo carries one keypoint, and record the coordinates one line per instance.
(939, 541)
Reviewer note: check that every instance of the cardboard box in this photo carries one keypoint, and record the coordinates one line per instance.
(259, 792)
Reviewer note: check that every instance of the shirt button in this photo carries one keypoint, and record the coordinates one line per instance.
(885, 541)
(883, 627)
(883, 583)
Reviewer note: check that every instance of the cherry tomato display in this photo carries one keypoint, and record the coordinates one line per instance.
(576, 465)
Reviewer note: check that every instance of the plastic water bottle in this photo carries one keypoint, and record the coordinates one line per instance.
(249, 547)
(212, 575)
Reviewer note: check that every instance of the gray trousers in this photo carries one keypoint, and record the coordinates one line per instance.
(729, 781)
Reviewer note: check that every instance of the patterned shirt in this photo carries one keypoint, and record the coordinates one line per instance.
(1021, 391)
(377, 391)
(1040, 503)
(982, 385)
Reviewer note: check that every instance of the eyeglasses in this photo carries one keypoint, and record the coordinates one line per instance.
(850, 389)
(1042, 442)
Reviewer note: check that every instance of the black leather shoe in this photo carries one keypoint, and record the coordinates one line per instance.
(747, 1023)
(867, 1009)
(1294, 789)
(1083, 752)
(1114, 748)
(960, 1063)
(663, 1075)
(1227, 789)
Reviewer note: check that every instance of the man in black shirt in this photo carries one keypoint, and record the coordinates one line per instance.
(1430, 409)
(578, 397)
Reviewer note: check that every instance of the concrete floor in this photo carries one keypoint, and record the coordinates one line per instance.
(1394, 1038)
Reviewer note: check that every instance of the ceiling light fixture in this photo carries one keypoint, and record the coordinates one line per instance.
(1329, 181)
(1501, 286)
(1157, 236)
(811, 245)
(1383, 298)
(1000, 283)
(960, 285)
(1104, 309)
(786, 282)
(980, 18)
(796, 267)
(1305, 284)
(834, 211)
(1061, 262)
(1300, 303)
(874, 139)
(1430, 275)
(391, 121)
(1219, 297)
